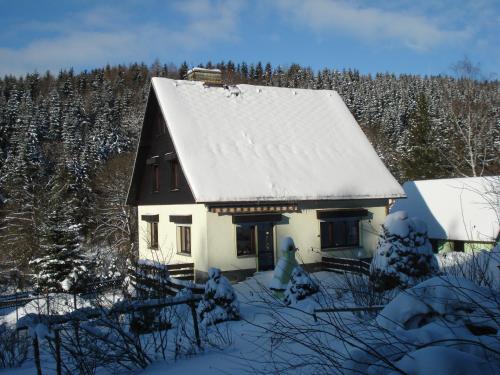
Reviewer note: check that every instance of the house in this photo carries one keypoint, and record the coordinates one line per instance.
(223, 172)
(462, 214)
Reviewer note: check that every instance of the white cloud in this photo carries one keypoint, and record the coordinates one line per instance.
(369, 23)
(104, 35)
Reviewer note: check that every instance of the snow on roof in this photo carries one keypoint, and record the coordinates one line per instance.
(252, 143)
(464, 209)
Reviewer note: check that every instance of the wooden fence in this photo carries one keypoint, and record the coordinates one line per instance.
(20, 299)
(72, 319)
(332, 264)
(153, 279)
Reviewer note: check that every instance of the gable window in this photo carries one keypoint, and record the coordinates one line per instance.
(156, 178)
(160, 126)
(153, 235)
(339, 233)
(184, 239)
(246, 240)
(174, 175)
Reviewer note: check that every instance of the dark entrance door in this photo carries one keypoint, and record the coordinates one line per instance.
(265, 250)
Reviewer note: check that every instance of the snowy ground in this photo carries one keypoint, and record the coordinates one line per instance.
(250, 346)
(258, 342)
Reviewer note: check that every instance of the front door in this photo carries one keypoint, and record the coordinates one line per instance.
(265, 248)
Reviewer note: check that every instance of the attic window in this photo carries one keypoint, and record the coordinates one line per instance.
(156, 178)
(174, 175)
(160, 126)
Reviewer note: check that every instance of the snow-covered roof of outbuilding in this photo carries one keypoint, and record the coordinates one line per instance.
(464, 209)
(254, 143)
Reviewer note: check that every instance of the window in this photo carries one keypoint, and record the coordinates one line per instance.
(153, 235)
(246, 243)
(156, 178)
(174, 175)
(160, 126)
(343, 233)
(458, 246)
(184, 240)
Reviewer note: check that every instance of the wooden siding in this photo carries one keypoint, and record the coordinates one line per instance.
(156, 149)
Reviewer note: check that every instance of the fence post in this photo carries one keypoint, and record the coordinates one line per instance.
(58, 352)
(195, 322)
(36, 351)
(17, 307)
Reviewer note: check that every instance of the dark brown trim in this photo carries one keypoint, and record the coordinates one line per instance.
(241, 219)
(152, 161)
(151, 218)
(170, 156)
(181, 219)
(333, 214)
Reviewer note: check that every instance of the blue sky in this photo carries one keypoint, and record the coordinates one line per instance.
(400, 36)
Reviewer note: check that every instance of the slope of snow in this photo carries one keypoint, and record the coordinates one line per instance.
(465, 209)
(249, 143)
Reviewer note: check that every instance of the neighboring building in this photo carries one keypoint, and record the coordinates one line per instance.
(222, 173)
(462, 214)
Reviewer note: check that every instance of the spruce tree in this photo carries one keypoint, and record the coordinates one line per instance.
(421, 160)
(60, 265)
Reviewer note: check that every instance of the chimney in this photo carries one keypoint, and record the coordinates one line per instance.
(211, 77)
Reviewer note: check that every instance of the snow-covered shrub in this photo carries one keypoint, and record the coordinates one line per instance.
(300, 286)
(13, 347)
(219, 301)
(481, 267)
(448, 324)
(285, 264)
(404, 254)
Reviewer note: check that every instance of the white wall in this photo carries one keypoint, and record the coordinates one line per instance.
(304, 228)
(167, 234)
(218, 248)
(222, 245)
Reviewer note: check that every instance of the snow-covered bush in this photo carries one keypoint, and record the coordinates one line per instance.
(219, 301)
(404, 254)
(300, 286)
(449, 325)
(285, 264)
(481, 267)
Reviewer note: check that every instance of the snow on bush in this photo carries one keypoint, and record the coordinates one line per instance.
(219, 301)
(449, 325)
(482, 267)
(404, 254)
(300, 286)
(285, 265)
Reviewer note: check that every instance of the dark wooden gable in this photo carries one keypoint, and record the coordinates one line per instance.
(156, 155)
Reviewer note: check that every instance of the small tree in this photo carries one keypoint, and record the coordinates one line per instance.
(404, 254)
(219, 301)
(300, 286)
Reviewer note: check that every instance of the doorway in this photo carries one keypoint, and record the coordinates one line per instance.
(265, 248)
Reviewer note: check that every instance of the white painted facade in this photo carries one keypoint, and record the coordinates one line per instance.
(213, 236)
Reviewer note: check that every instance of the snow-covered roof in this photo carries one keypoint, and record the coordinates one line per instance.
(252, 143)
(464, 209)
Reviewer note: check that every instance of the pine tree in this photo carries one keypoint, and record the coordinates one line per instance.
(183, 69)
(60, 264)
(422, 158)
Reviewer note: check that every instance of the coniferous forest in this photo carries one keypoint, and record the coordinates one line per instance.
(67, 145)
